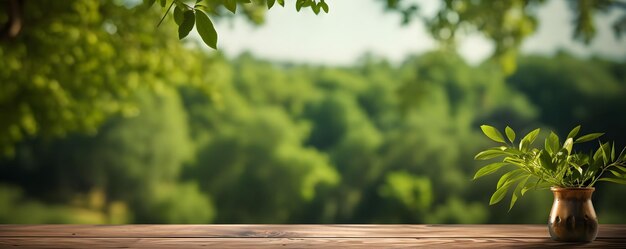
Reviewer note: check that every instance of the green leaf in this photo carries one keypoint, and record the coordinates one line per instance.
(315, 8)
(163, 3)
(230, 5)
(605, 152)
(615, 173)
(613, 152)
(489, 169)
(492, 133)
(506, 177)
(187, 24)
(588, 137)
(501, 191)
(281, 2)
(531, 136)
(324, 6)
(490, 153)
(546, 161)
(299, 4)
(499, 194)
(510, 134)
(552, 143)
(577, 173)
(206, 30)
(595, 162)
(621, 168)
(178, 16)
(574, 132)
(517, 189)
(568, 144)
(149, 3)
(615, 180)
(532, 185)
(270, 3)
(528, 139)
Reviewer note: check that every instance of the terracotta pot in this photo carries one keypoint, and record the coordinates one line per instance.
(573, 218)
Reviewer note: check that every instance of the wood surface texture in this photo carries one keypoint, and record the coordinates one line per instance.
(296, 236)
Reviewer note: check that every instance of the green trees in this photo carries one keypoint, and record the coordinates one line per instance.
(293, 144)
(506, 23)
(76, 63)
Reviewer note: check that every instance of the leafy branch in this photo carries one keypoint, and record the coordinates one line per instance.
(187, 16)
(556, 164)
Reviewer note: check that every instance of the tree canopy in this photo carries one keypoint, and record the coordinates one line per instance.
(48, 39)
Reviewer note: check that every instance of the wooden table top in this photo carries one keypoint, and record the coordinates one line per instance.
(295, 236)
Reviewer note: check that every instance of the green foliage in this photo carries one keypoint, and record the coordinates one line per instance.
(506, 23)
(206, 30)
(554, 165)
(15, 207)
(414, 192)
(183, 13)
(80, 63)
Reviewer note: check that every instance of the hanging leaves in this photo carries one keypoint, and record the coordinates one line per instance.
(206, 30)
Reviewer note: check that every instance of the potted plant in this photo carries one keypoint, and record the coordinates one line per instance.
(570, 175)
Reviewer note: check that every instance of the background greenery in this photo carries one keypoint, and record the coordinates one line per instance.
(106, 120)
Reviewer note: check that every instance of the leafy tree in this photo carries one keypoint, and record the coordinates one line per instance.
(252, 159)
(506, 23)
(561, 87)
(133, 162)
(77, 63)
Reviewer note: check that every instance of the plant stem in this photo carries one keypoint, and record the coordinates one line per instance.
(168, 10)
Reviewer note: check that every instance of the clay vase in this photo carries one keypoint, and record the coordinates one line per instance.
(573, 218)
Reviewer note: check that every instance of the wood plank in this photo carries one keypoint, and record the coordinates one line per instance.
(298, 243)
(292, 231)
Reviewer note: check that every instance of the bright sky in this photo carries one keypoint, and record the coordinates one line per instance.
(354, 27)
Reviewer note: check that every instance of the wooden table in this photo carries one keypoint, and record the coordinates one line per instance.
(294, 236)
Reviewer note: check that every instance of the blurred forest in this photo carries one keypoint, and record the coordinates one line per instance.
(120, 123)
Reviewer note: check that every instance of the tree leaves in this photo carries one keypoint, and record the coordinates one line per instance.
(324, 6)
(299, 4)
(492, 133)
(178, 17)
(231, 5)
(187, 23)
(206, 30)
(270, 3)
(203, 22)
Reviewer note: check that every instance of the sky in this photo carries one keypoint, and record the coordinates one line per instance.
(354, 27)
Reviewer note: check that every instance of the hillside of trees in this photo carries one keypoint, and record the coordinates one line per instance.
(285, 143)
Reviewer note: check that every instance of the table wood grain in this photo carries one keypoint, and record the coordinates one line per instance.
(295, 236)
